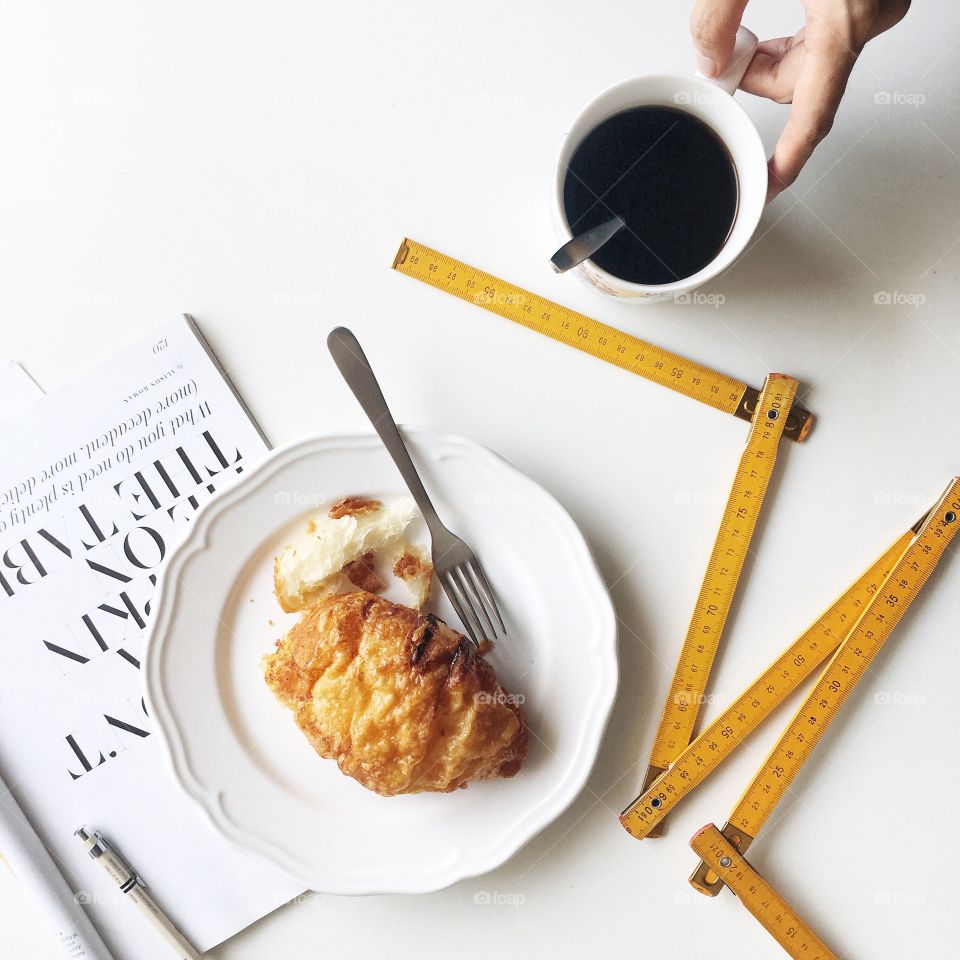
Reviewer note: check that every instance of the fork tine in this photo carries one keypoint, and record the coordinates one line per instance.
(473, 598)
(453, 595)
(468, 605)
(487, 592)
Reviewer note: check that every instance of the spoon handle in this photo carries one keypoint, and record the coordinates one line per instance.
(584, 245)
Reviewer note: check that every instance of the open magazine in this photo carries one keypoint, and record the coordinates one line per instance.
(97, 481)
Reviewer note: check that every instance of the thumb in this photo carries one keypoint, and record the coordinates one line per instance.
(714, 24)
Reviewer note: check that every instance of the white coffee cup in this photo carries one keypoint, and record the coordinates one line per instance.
(712, 102)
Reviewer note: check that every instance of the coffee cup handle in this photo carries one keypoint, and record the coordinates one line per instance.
(743, 51)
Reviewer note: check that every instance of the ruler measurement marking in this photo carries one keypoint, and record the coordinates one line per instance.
(575, 329)
(775, 915)
(834, 644)
(846, 668)
(724, 567)
(732, 727)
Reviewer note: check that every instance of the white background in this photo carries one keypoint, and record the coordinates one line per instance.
(257, 165)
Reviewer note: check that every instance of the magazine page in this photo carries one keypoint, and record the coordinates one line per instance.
(97, 482)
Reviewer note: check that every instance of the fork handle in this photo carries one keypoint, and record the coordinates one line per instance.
(349, 357)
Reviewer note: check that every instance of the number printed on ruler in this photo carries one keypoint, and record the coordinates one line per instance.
(776, 916)
(873, 627)
(849, 664)
(723, 571)
(731, 728)
(579, 331)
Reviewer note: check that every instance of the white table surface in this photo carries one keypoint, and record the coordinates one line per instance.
(256, 165)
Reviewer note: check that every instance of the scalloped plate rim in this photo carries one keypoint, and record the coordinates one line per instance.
(207, 798)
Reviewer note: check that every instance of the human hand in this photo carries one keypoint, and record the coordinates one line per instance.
(809, 70)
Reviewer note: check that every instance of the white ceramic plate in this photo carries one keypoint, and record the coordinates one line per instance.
(240, 755)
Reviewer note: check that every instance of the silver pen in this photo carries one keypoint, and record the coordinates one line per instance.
(134, 889)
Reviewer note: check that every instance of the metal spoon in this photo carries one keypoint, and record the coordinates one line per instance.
(585, 245)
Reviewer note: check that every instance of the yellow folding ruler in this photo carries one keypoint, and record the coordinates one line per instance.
(574, 329)
(846, 637)
(841, 643)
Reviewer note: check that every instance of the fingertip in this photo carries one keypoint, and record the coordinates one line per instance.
(709, 68)
(776, 181)
(713, 26)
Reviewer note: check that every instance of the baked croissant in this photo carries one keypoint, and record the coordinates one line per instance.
(401, 701)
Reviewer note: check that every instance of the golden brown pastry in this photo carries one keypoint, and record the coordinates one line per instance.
(401, 701)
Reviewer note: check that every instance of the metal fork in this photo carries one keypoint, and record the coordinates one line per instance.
(456, 565)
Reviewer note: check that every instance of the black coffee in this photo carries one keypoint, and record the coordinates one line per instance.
(669, 176)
